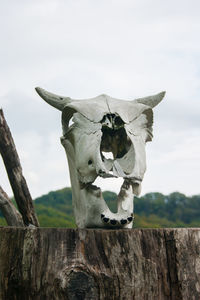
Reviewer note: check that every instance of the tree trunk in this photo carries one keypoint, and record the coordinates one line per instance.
(50, 263)
(14, 170)
(12, 216)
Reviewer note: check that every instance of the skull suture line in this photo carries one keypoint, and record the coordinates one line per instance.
(104, 124)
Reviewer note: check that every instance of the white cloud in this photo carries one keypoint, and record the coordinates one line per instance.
(174, 165)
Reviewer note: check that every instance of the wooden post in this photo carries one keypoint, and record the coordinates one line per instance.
(12, 216)
(88, 264)
(14, 171)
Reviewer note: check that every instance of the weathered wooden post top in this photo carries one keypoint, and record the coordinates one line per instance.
(104, 125)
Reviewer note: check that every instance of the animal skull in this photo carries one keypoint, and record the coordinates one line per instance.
(104, 124)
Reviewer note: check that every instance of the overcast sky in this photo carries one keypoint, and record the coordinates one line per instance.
(82, 48)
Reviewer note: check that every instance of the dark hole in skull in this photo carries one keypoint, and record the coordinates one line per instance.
(114, 138)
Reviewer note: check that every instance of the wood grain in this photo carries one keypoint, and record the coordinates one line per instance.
(10, 213)
(50, 263)
(14, 170)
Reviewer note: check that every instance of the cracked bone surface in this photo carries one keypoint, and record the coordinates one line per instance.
(101, 126)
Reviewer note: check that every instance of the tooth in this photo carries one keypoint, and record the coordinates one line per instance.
(97, 193)
(125, 198)
(106, 220)
(126, 185)
(82, 185)
(102, 172)
(136, 188)
(113, 222)
(123, 221)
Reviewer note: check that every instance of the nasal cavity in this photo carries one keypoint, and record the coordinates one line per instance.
(114, 142)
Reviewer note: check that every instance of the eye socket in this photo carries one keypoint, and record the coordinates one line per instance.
(89, 162)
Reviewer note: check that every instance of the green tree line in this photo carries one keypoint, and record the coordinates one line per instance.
(151, 210)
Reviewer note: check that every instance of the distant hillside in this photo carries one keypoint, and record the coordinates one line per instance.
(152, 210)
(55, 208)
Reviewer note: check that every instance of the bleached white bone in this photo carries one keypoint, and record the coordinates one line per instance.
(104, 124)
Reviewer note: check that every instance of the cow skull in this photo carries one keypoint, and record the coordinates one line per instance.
(104, 124)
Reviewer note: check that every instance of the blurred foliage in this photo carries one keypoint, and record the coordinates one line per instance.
(2, 222)
(153, 210)
(176, 208)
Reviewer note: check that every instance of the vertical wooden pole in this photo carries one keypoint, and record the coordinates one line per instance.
(14, 170)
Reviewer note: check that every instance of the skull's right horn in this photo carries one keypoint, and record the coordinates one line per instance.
(151, 101)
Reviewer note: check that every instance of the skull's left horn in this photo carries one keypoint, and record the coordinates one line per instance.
(56, 101)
